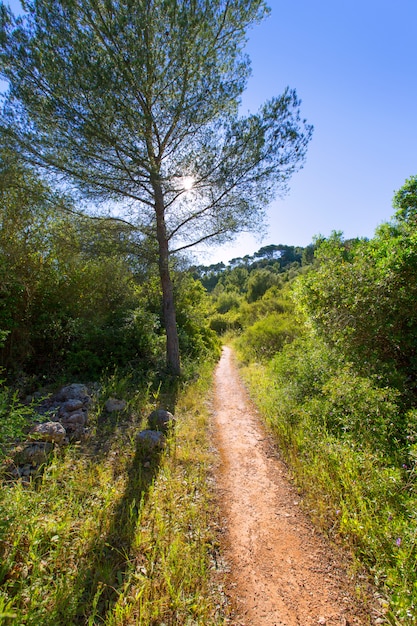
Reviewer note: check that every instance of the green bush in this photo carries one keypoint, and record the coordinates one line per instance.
(198, 341)
(15, 419)
(266, 337)
(274, 300)
(223, 323)
(360, 296)
(345, 441)
(365, 414)
(259, 282)
(227, 300)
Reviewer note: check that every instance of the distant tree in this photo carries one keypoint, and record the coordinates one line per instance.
(137, 103)
(259, 282)
(405, 200)
(235, 279)
(307, 256)
(289, 255)
(269, 252)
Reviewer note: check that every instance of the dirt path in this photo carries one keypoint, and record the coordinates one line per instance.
(282, 572)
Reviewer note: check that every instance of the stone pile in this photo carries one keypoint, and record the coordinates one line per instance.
(67, 415)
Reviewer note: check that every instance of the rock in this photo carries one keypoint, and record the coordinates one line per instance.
(73, 412)
(74, 404)
(113, 404)
(74, 391)
(52, 432)
(78, 417)
(152, 439)
(33, 453)
(76, 433)
(160, 420)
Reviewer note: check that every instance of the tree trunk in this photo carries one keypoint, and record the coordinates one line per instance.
(170, 322)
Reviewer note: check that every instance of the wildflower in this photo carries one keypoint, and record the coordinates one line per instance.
(398, 541)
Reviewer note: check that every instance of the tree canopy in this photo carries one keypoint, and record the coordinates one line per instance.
(361, 296)
(137, 103)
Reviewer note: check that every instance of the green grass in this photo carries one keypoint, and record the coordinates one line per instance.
(111, 534)
(356, 495)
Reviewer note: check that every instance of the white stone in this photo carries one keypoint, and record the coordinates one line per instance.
(52, 432)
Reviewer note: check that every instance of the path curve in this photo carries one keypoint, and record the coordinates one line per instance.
(282, 572)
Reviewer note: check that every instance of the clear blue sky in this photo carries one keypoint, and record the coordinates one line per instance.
(354, 66)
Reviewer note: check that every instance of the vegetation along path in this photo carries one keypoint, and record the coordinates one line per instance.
(282, 572)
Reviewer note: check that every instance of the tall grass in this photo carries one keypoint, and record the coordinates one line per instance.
(328, 427)
(111, 533)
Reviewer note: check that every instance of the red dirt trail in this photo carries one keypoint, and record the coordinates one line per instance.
(282, 571)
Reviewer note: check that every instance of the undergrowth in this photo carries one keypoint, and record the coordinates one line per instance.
(111, 533)
(328, 427)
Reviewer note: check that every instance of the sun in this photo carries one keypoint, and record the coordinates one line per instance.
(188, 182)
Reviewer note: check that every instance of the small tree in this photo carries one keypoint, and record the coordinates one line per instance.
(136, 102)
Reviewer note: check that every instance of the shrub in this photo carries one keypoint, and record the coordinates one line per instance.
(15, 418)
(345, 441)
(354, 408)
(259, 282)
(197, 339)
(222, 323)
(266, 337)
(227, 300)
